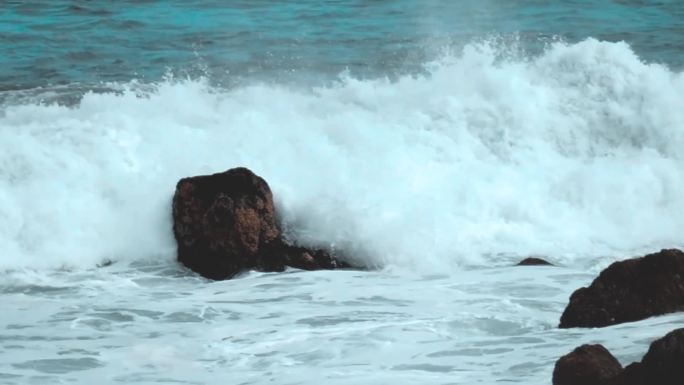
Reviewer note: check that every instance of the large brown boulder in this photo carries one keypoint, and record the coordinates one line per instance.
(629, 290)
(586, 365)
(226, 223)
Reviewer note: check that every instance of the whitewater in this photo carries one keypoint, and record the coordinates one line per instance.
(438, 181)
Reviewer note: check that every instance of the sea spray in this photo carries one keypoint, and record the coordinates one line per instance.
(572, 154)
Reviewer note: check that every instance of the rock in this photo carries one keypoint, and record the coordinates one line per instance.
(631, 375)
(534, 261)
(586, 365)
(629, 290)
(662, 365)
(310, 259)
(664, 362)
(226, 223)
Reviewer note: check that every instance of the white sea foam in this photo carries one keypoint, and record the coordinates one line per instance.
(573, 154)
(119, 325)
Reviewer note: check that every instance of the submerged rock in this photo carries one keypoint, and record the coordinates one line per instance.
(586, 365)
(629, 290)
(534, 261)
(310, 259)
(226, 223)
(594, 365)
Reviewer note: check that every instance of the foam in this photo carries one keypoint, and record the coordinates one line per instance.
(574, 154)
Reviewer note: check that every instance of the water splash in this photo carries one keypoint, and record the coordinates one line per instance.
(573, 154)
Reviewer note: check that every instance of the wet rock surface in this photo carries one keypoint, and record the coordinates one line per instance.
(586, 365)
(663, 364)
(629, 290)
(226, 223)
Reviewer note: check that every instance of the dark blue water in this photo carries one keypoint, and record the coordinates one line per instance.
(85, 43)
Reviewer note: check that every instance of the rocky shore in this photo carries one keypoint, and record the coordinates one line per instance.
(626, 291)
(663, 364)
(227, 223)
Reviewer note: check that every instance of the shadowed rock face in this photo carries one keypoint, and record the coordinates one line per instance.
(594, 365)
(664, 362)
(662, 365)
(226, 223)
(628, 291)
(586, 365)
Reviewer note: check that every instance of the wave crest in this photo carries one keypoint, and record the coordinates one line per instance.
(572, 154)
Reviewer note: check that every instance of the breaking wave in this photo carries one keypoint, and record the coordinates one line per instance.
(573, 154)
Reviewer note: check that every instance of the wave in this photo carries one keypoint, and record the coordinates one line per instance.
(572, 154)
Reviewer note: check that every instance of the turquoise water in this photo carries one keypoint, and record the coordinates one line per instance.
(65, 42)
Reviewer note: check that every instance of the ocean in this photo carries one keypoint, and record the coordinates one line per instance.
(437, 142)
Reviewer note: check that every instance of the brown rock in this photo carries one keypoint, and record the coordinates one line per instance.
(226, 223)
(664, 362)
(308, 259)
(586, 365)
(629, 290)
(662, 365)
(223, 222)
(594, 365)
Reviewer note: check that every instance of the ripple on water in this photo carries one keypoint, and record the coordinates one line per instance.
(59, 366)
(469, 352)
(426, 368)
(182, 317)
(8, 376)
(37, 290)
(350, 317)
(136, 378)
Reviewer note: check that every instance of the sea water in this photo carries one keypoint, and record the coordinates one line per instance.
(436, 142)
